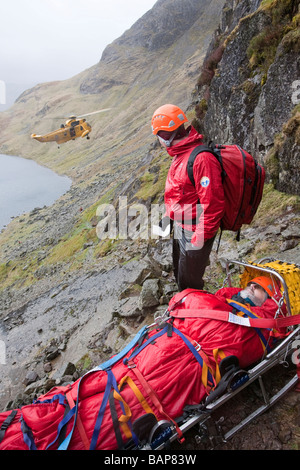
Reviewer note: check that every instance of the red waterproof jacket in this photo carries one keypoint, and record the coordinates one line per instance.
(181, 197)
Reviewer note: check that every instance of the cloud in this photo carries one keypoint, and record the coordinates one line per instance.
(56, 39)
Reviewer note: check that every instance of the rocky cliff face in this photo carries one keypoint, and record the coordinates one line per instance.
(252, 97)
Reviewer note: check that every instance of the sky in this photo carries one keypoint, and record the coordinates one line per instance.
(47, 40)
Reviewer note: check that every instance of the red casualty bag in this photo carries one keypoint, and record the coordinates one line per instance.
(158, 374)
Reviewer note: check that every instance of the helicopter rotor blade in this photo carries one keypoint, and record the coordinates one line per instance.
(73, 116)
(94, 112)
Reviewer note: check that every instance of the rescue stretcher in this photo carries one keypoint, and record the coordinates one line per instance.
(174, 375)
(237, 380)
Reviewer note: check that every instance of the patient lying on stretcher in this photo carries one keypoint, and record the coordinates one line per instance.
(169, 367)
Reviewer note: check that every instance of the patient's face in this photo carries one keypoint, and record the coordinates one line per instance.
(260, 294)
(256, 293)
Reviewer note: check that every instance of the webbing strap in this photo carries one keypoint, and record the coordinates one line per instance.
(250, 321)
(185, 339)
(121, 354)
(218, 353)
(27, 435)
(63, 431)
(137, 393)
(64, 444)
(60, 397)
(151, 393)
(6, 423)
(144, 345)
(195, 353)
(79, 423)
(250, 314)
(115, 421)
(222, 315)
(99, 419)
(154, 398)
(124, 419)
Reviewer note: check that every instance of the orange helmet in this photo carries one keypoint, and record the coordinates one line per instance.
(266, 283)
(167, 118)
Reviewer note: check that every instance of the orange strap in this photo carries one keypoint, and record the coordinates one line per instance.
(151, 393)
(218, 353)
(123, 419)
(137, 393)
(79, 423)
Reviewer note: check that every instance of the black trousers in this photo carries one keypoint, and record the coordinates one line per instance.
(189, 264)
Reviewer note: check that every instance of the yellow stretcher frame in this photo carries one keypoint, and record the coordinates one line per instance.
(288, 274)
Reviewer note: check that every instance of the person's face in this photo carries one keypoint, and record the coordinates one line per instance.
(258, 293)
(166, 138)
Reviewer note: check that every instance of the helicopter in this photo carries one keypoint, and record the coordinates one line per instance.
(75, 126)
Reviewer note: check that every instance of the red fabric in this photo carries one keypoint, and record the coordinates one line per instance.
(167, 365)
(180, 194)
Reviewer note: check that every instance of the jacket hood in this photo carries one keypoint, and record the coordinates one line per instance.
(189, 142)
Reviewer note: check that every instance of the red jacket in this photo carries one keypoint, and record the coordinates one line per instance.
(181, 197)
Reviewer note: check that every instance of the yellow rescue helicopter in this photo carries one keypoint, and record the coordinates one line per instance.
(75, 126)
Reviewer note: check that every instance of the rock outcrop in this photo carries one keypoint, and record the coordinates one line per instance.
(253, 93)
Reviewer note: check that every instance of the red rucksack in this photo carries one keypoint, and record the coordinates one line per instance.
(243, 181)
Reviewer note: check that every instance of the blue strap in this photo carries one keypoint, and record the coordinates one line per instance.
(60, 397)
(111, 383)
(64, 421)
(114, 359)
(115, 385)
(64, 445)
(101, 410)
(144, 345)
(181, 335)
(251, 315)
(27, 435)
(193, 351)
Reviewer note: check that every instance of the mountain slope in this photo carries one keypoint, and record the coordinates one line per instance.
(155, 61)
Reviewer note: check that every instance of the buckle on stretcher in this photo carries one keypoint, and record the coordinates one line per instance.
(196, 345)
(131, 365)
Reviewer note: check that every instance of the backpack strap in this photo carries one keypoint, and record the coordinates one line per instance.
(211, 148)
(214, 150)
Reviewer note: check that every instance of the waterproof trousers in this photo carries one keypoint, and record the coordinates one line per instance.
(189, 263)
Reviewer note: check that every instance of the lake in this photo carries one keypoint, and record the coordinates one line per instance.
(25, 185)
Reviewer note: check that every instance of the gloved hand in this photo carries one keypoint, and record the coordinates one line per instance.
(165, 222)
(164, 227)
